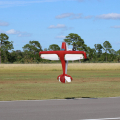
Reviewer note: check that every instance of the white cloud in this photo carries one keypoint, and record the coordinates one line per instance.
(18, 33)
(24, 34)
(57, 26)
(76, 16)
(12, 31)
(117, 26)
(117, 42)
(64, 15)
(1, 31)
(60, 26)
(88, 0)
(70, 15)
(67, 28)
(80, 0)
(88, 17)
(60, 37)
(23, 2)
(3, 23)
(79, 16)
(109, 16)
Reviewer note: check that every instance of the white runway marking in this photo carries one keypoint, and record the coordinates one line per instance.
(118, 118)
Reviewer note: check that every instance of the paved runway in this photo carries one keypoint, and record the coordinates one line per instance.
(69, 109)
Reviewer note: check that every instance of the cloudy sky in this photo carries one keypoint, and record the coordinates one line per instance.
(49, 21)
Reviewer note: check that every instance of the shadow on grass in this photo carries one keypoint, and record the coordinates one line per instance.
(70, 98)
(76, 98)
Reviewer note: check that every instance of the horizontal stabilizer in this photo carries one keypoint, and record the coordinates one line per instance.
(73, 56)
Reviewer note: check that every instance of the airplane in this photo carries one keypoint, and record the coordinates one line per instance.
(64, 55)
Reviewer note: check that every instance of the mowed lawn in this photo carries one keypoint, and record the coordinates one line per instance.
(39, 81)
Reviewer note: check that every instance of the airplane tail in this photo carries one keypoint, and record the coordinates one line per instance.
(64, 46)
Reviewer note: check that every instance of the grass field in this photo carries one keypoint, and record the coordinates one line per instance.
(39, 81)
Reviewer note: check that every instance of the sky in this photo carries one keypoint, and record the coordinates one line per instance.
(49, 21)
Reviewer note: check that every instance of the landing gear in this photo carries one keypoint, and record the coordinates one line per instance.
(64, 78)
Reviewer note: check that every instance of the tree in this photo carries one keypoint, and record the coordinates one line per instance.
(31, 50)
(0, 49)
(5, 45)
(76, 41)
(113, 54)
(98, 48)
(90, 53)
(45, 49)
(54, 47)
(106, 46)
(118, 55)
(15, 56)
(112, 51)
(33, 46)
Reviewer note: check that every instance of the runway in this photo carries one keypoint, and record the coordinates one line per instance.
(68, 109)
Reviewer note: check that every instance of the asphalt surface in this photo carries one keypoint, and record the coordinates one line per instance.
(69, 109)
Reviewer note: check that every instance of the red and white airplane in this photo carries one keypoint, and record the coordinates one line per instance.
(64, 55)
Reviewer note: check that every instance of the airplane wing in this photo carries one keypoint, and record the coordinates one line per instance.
(68, 55)
(73, 56)
(50, 56)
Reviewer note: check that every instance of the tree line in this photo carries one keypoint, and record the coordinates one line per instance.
(30, 53)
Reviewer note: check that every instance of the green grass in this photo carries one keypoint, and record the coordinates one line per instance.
(37, 84)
